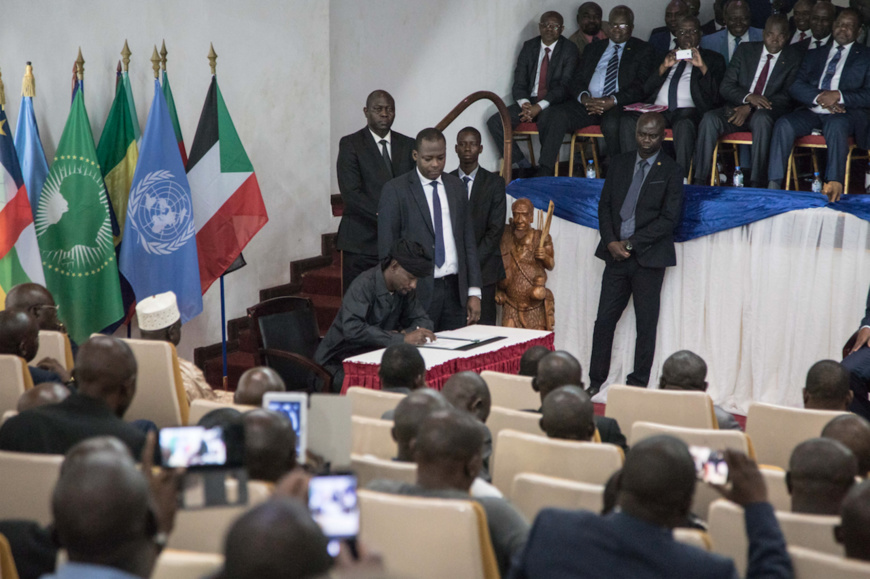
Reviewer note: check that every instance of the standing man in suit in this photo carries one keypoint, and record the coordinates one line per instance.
(755, 89)
(689, 88)
(737, 30)
(718, 22)
(834, 87)
(544, 65)
(664, 38)
(638, 212)
(803, 12)
(589, 26)
(367, 159)
(488, 205)
(857, 363)
(430, 207)
(610, 76)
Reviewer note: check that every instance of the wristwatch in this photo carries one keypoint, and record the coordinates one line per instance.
(628, 246)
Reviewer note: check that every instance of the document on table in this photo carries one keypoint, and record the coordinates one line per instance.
(459, 340)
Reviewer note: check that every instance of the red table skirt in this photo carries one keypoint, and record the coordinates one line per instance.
(506, 360)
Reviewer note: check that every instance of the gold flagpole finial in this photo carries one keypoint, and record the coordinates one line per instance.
(163, 54)
(125, 56)
(155, 62)
(80, 65)
(2, 92)
(28, 85)
(212, 59)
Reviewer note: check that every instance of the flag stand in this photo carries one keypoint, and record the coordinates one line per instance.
(224, 334)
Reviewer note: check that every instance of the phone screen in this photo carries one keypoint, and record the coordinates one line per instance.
(291, 410)
(332, 502)
(710, 465)
(192, 446)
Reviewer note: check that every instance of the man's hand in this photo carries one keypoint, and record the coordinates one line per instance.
(366, 564)
(53, 365)
(827, 98)
(670, 60)
(473, 308)
(293, 485)
(759, 101)
(836, 108)
(618, 251)
(697, 61)
(834, 190)
(163, 486)
(739, 115)
(747, 484)
(419, 336)
(861, 340)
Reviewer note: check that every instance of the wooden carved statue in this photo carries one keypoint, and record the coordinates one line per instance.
(527, 254)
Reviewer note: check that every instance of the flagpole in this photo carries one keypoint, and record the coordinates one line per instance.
(224, 333)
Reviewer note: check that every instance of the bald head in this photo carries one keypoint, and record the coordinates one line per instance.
(568, 414)
(402, 366)
(467, 391)
(106, 369)
(827, 387)
(254, 383)
(530, 359)
(854, 529)
(448, 450)
(19, 334)
(557, 369)
(35, 300)
(95, 445)
(853, 432)
(410, 414)
(270, 445)
(42, 395)
(658, 481)
(684, 370)
(820, 473)
(277, 539)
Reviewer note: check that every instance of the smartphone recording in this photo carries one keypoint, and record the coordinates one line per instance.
(710, 465)
(192, 447)
(332, 502)
(685, 54)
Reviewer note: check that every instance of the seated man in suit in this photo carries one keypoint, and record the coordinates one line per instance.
(562, 369)
(430, 207)
(38, 302)
(254, 383)
(857, 364)
(725, 42)
(568, 414)
(544, 65)
(402, 369)
(530, 358)
(589, 26)
(821, 25)
(654, 495)
(827, 387)
(853, 532)
(664, 38)
(488, 205)
(685, 370)
(609, 77)
(689, 88)
(801, 15)
(468, 392)
(270, 445)
(367, 159)
(755, 89)
(854, 432)
(820, 473)
(834, 87)
(762, 9)
(42, 395)
(718, 22)
(19, 336)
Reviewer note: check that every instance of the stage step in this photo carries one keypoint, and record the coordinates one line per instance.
(323, 281)
(326, 307)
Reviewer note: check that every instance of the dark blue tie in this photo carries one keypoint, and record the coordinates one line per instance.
(736, 44)
(832, 68)
(675, 84)
(439, 226)
(467, 180)
(612, 73)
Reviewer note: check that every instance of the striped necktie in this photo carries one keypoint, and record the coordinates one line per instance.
(832, 68)
(612, 73)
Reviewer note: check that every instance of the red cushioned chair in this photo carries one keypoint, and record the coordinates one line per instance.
(818, 142)
(733, 139)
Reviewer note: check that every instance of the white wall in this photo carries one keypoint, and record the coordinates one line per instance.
(273, 69)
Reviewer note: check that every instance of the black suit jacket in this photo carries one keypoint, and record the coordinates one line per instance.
(635, 64)
(362, 174)
(704, 87)
(609, 431)
(660, 40)
(741, 72)
(563, 61)
(488, 206)
(404, 213)
(709, 28)
(804, 45)
(658, 209)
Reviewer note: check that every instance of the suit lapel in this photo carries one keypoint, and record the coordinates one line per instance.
(377, 158)
(420, 198)
(453, 202)
(652, 175)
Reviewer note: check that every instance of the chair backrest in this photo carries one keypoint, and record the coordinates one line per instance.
(688, 408)
(160, 395)
(16, 379)
(289, 324)
(776, 430)
(405, 530)
(369, 468)
(372, 403)
(694, 537)
(373, 436)
(727, 528)
(200, 407)
(810, 564)
(519, 452)
(777, 491)
(811, 531)
(175, 564)
(505, 418)
(511, 391)
(55, 345)
(532, 492)
(28, 482)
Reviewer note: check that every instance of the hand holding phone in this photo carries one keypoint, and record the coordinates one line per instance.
(684, 54)
(333, 504)
(710, 465)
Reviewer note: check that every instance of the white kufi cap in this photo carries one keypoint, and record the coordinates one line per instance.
(157, 312)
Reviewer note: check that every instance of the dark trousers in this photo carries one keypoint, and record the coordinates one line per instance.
(354, 264)
(446, 310)
(715, 124)
(566, 118)
(858, 366)
(487, 304)
(836, 127)
(622, 280)
(497, 130)
(684, 123)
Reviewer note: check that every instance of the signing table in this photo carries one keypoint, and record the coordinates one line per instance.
(498, 356)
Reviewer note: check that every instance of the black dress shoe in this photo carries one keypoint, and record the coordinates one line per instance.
(593, 390)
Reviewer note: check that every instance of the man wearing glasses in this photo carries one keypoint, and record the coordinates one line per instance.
(541, 76)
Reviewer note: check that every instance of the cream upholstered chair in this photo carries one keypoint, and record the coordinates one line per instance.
(511, 391)
(372, 403)
(532, 492)
(630, 404)
(504, 418)
(694, 537)
(414, 534)
(372, 436)
(810, 564)
(28, 482)
(200, 407)
(160, 395)
(175, 564)
(519, 452)
(777, 491)
(16, 379)
(810, 531)
(55, 345)
(776, 430)
(369, 468)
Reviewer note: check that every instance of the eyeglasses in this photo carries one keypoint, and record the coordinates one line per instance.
(691, 32)
(620, 26)
(550, 27)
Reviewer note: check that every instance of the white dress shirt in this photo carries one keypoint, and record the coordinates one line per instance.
(732, 46)
(596, 83)
(388, 137)
(819, 43)
(797, 35)
(471, 176)
(542, 103)
(760, 67)
(684, 88)
(838, 72)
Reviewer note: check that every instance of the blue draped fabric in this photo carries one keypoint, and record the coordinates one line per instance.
(706, 210)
